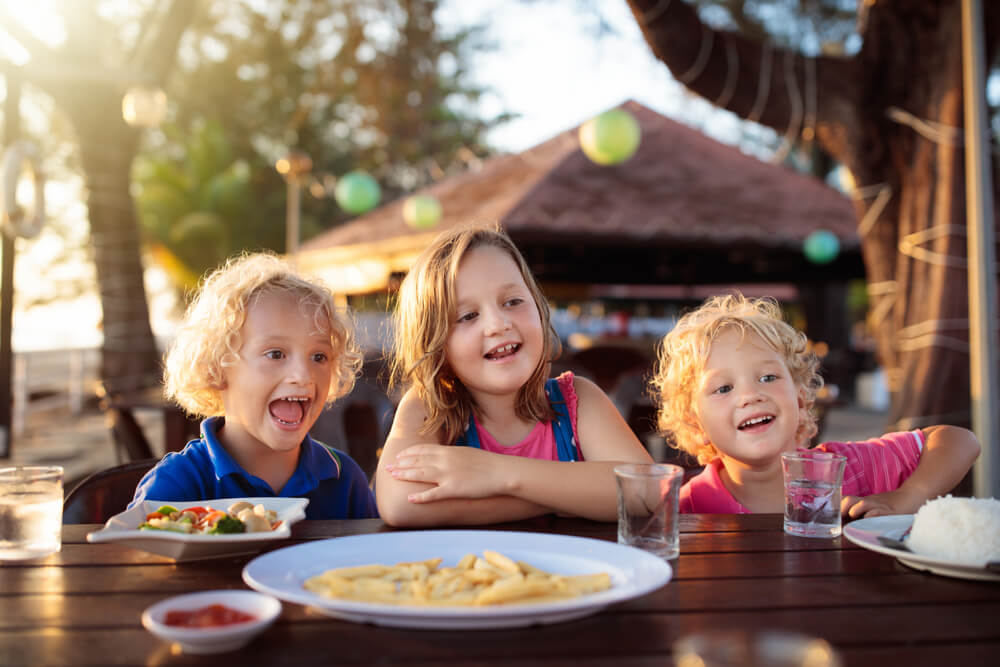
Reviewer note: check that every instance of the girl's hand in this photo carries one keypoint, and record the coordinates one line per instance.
(879, 504)
(456, 472)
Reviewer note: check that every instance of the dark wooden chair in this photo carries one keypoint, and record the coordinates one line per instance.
(131, 442)
(359, 423)
(631, 396)
(105, 493)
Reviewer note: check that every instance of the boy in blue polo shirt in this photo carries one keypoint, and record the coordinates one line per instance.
(260, 352)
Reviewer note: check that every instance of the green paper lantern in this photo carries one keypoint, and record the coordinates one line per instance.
(821, 247)
(357, 192)
(421, 211)
(611, 137)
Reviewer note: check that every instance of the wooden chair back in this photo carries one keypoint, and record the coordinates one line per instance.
(105, 493)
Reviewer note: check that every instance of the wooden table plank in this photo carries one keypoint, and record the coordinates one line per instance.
(98, 609)
(616, 636)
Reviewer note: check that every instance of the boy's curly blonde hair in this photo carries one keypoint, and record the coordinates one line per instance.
(209, 339)
(684, 351)
(425, 312)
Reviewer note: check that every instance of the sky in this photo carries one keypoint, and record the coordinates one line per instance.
(548, 68)
(553, 72)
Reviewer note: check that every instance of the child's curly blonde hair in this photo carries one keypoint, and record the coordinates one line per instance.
(424, 315)
(684, 351)
(209, 339)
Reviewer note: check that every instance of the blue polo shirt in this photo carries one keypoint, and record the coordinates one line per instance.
(334, 484)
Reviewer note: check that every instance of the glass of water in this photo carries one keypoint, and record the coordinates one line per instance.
(812, 492)
(648, 499)
(31, 500)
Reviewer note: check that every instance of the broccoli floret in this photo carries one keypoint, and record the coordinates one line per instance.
(167, 510)
(228, 524)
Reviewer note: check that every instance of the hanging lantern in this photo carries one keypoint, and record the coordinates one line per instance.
(357, 192)
(144, 106)
(294, 165)
(611, 137)
(821, 247)
(421, 211)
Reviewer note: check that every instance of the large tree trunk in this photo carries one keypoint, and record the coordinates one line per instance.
(892, 114)
(130, 360)
(90, 94)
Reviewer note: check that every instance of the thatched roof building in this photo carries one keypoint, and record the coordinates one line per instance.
(684, 210)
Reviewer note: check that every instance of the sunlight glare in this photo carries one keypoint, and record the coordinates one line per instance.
(40, 19)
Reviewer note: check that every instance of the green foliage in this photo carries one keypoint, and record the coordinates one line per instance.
(372, 85)
(194, 205)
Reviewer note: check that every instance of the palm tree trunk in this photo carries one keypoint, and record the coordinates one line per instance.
(130, 360)
(872, 114)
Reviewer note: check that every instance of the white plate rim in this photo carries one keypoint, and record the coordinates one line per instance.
(619, 560)
(864, 533)
(290, 510)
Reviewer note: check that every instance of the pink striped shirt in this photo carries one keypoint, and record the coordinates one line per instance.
(541, 441)
(873, 466)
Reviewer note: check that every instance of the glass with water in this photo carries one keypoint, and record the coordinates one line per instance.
(31, 500)
(812, 492)
(647, 507)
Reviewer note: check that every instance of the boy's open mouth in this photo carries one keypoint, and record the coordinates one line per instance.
(289, 411)
(503, 351)
(755, 421)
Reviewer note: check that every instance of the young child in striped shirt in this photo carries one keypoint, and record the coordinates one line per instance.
(736, 386)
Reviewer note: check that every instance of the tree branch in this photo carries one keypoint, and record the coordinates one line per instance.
(776, 87)
(145, 28)
(161, 55)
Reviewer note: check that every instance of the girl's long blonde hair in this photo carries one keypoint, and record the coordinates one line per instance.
(684, 351)
(425, 312)
(209, 336)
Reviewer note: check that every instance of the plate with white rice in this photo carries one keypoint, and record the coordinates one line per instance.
(955, 537)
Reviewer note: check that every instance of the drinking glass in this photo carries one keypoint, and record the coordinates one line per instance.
(31, 500)
(648, 498)
(812, 492)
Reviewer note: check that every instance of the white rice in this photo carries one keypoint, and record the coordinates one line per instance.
(962, 530)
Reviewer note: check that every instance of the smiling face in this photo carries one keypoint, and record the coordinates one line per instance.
(747, 400)
(276, 389)
(496, 340)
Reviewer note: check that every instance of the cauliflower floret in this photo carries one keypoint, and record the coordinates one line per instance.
(254, 522)
(238, 507)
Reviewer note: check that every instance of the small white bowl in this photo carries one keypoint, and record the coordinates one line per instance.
(216, 639)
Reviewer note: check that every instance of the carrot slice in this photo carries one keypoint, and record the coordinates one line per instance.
(210, 518)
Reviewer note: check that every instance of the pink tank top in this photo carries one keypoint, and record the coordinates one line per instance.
(541, 441)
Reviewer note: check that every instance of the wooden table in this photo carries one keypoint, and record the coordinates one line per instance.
(83, 606)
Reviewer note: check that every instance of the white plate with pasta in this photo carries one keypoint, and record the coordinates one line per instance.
(284, 573)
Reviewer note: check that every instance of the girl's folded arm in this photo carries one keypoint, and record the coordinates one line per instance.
(393, 495)
(584, 488)
(504, 487)
(948, 453)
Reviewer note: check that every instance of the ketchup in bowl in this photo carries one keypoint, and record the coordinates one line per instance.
(212, 616)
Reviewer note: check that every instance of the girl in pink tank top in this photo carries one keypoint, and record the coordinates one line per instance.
(473, 344)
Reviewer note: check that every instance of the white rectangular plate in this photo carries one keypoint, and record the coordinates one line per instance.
(633, 573)
(123, 528)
